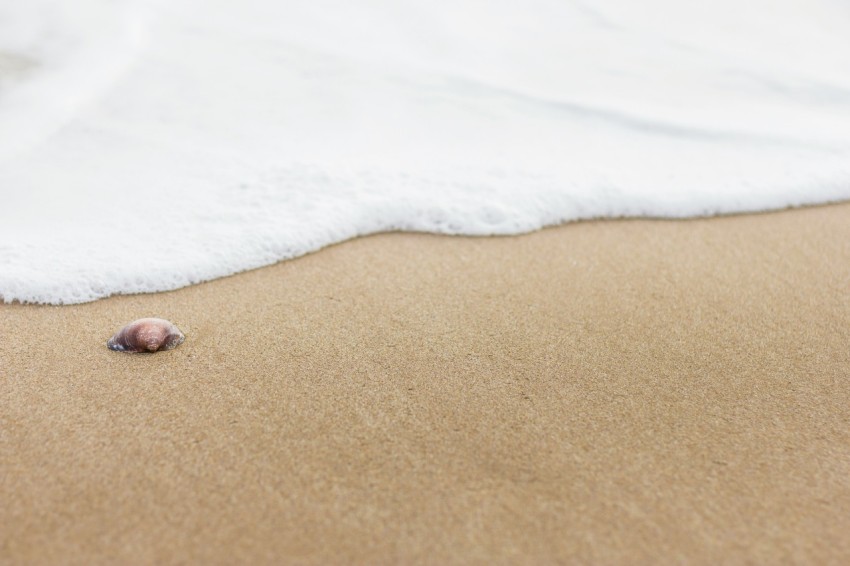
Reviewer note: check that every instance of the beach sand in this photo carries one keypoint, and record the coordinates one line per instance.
(613, 392)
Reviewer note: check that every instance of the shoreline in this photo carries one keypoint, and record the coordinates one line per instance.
(603, 391)
(661, 219)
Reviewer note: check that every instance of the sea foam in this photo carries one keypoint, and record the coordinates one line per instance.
(149, 145)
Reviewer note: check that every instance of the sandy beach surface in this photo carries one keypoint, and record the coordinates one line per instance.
(609, 392)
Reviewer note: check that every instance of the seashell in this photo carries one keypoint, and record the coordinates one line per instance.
(146, 335)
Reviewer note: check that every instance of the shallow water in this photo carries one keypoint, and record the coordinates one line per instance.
(152, 145)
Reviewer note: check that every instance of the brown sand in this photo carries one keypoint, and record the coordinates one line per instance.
(609, 392)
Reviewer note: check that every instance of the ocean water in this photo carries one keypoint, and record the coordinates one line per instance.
(149, 145)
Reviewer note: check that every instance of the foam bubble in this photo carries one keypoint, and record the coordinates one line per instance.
(146, 146)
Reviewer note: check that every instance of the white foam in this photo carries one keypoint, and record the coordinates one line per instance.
(152, 145)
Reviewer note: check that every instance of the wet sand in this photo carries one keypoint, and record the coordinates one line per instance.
(610, 392)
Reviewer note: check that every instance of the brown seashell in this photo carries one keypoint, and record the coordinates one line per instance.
(146, 335)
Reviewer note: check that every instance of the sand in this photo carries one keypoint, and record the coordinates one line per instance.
(609, 392)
